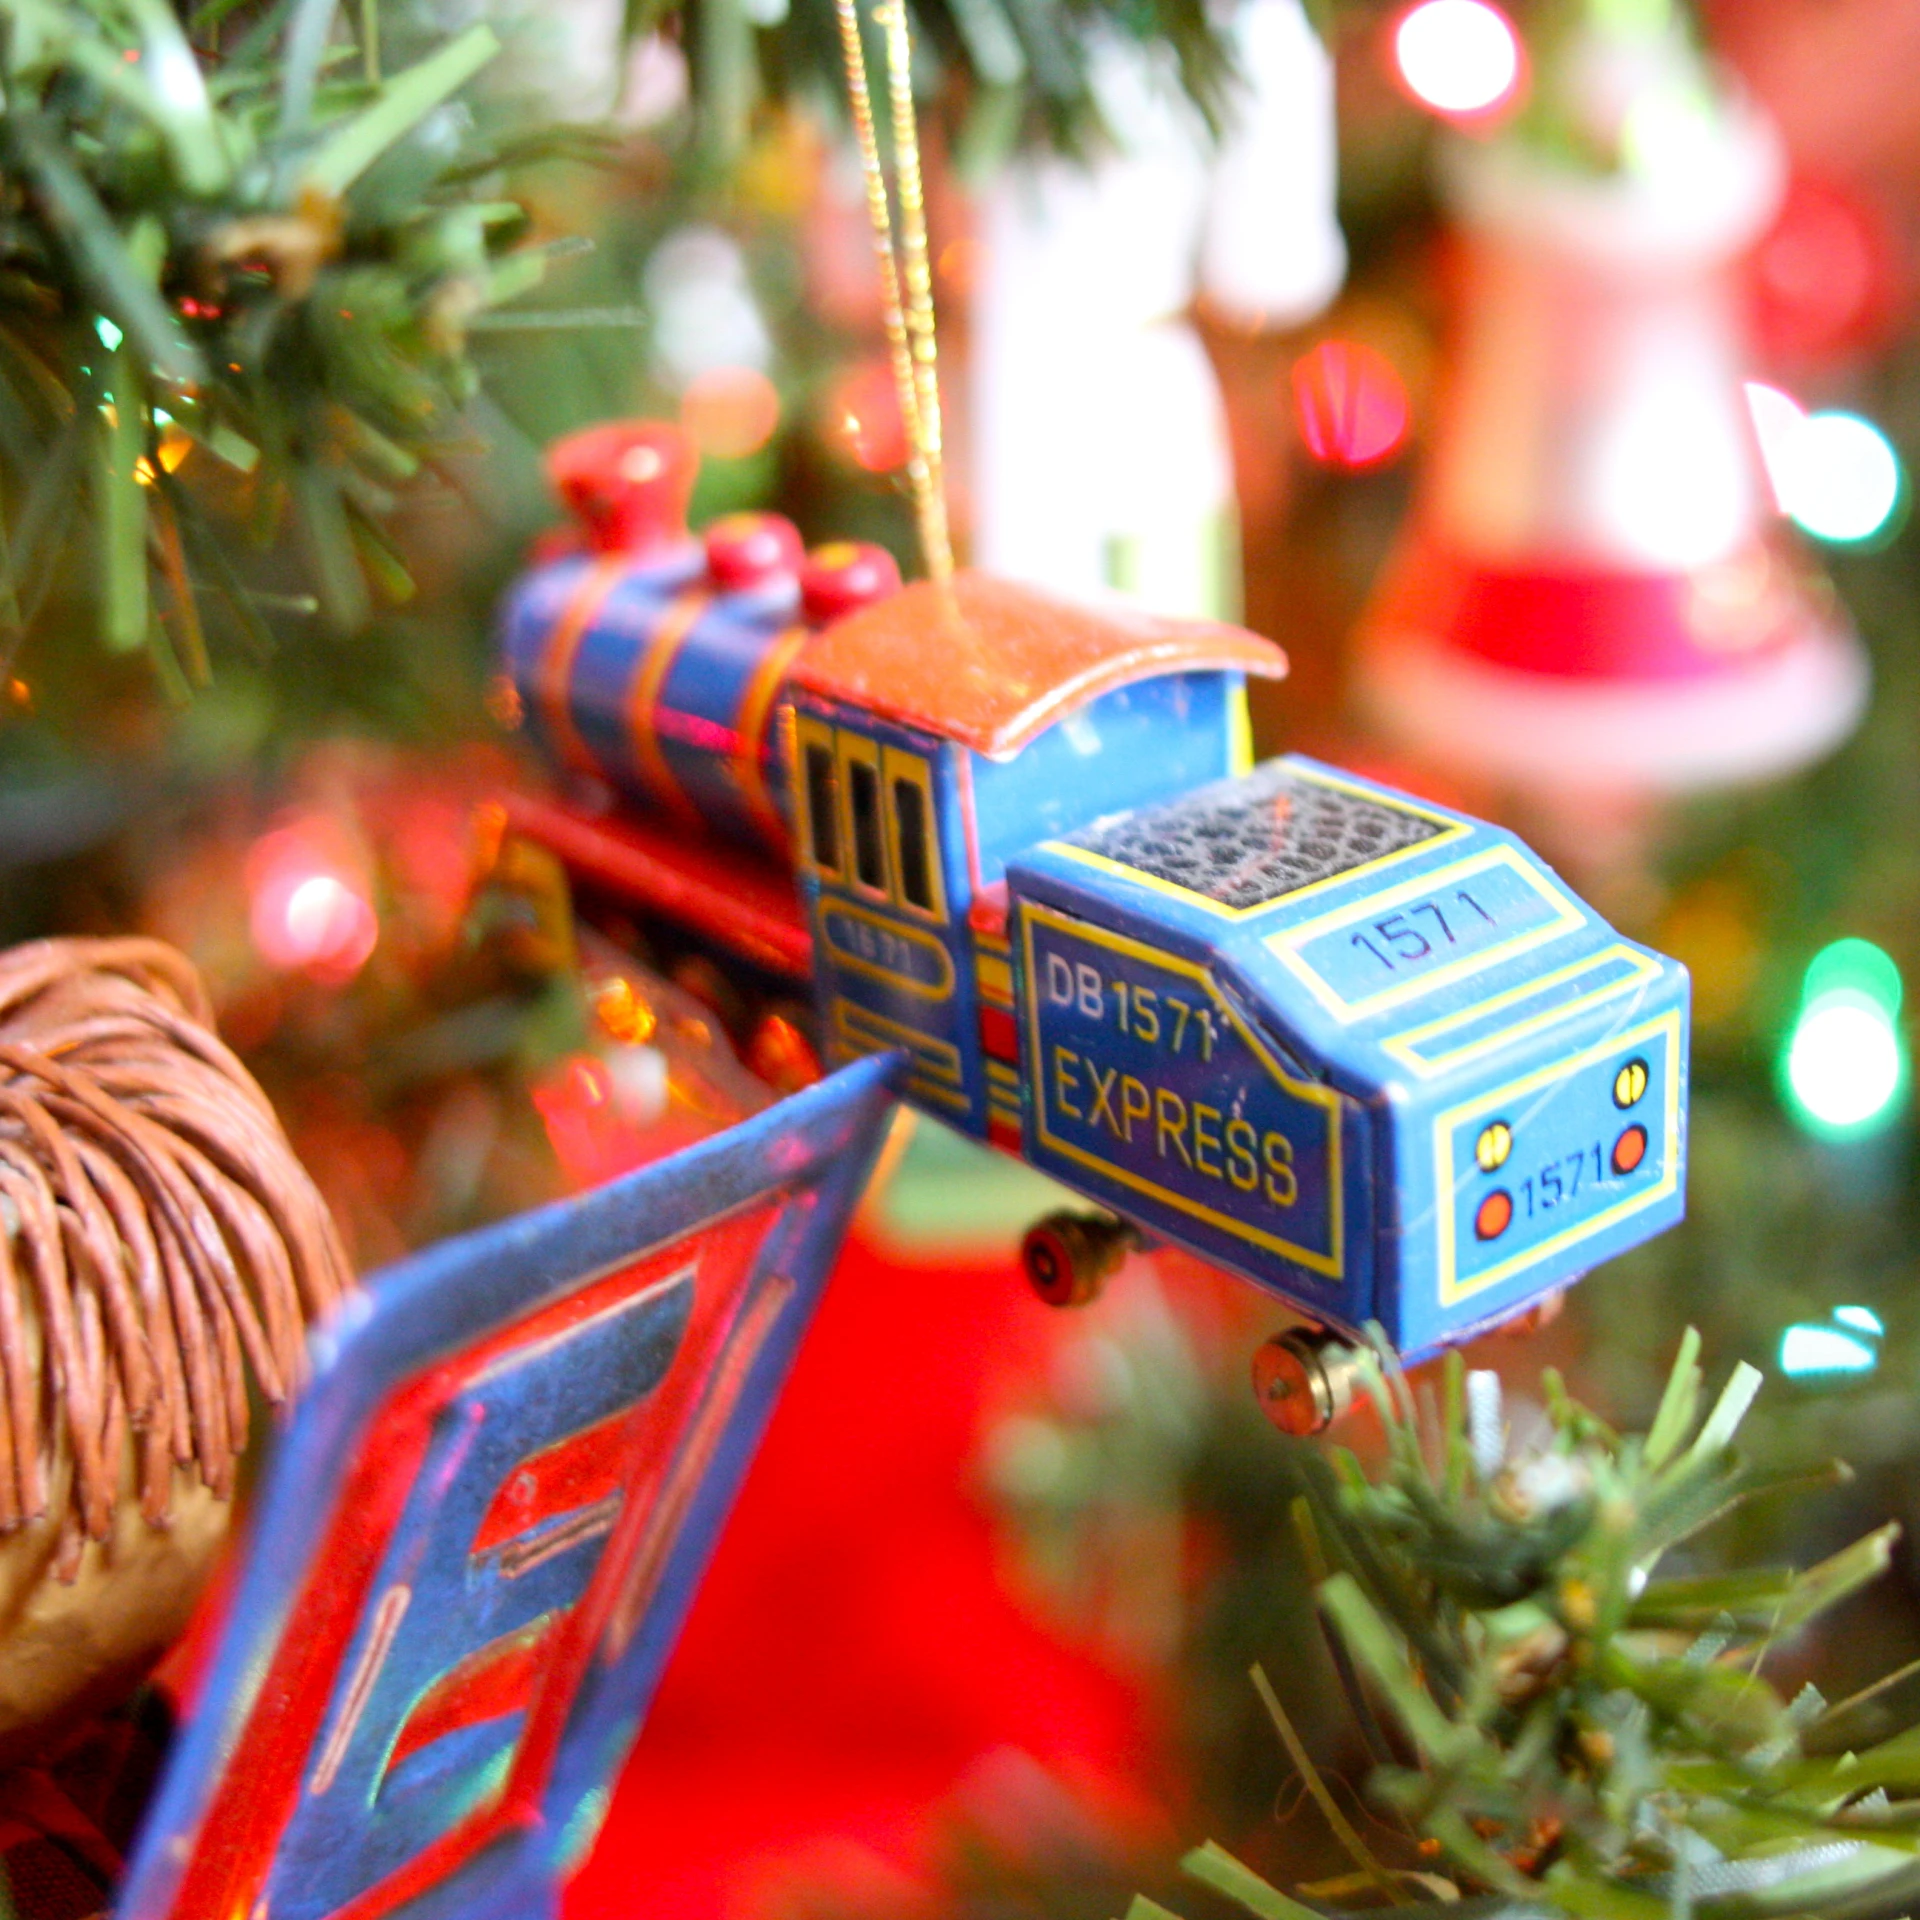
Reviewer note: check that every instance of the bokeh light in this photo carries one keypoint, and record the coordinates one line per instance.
(1845, 480)
(307, 911)
(1825, 277)
(1458, 56)
(1845, 1063)
(730, 412)
(1808, 1350)
(1856, 966)
(1352, 405)
(705, 314)
(1834, 474)
(863, 418)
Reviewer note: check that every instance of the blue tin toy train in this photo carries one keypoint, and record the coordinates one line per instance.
(1367, 1052)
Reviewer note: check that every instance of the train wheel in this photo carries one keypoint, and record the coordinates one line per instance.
(1068, 1257)
(1305, 1380)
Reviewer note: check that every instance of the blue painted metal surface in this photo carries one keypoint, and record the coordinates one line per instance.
(1367, 1051)
(1141, 743)
(478, 1537)
(570, 635)
(884, 875)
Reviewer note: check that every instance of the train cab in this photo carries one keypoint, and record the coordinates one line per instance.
(936, 734)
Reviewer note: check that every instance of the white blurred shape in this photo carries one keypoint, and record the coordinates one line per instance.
(1459, 56)
(1842, 479)
(705, 315)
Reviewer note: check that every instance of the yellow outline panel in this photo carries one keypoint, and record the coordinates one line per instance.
(1450, 831)
(1569, 917)
(809, 730)
(850, 750)
(932, 1054)
(872, 969)
(896, 764)
(936, 1074)
(1447, 1124)
(1401, 1045)
(924, 1089)
(1333, 1265)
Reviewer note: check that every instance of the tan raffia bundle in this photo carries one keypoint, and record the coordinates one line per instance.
(158, 1240)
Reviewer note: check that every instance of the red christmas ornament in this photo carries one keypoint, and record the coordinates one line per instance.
(1595, 593)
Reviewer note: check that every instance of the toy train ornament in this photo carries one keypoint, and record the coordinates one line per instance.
(1361, 1049)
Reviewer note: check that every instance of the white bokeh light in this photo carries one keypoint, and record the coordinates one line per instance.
(1777, 419)
(1846, 1064)
(1805, 1350)
(1458, 56)
(1834, 474)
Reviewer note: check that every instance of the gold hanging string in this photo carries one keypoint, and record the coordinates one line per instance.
(917, 273)
(909, 321)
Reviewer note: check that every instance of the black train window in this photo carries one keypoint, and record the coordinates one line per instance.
(1242, 843)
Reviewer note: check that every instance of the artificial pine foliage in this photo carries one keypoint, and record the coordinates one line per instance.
(1565, 1690)
(1559, 1727)
(239, 254)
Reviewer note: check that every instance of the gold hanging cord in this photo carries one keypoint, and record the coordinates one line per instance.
(906, 281)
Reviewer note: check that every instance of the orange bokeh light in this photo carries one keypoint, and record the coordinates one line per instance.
(863, 418)
(730, 412)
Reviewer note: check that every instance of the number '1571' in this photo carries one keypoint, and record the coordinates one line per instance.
(1416, 934)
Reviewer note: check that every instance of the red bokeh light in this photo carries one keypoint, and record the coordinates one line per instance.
(307, 906)
(863, 418)
(1352, 405)
(1824, 278)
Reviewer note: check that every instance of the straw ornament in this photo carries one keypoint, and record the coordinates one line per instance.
(159, 1242)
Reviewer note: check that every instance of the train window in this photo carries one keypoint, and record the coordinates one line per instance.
(869, 841)
(910, 822)
(822, 815)
(910, 826)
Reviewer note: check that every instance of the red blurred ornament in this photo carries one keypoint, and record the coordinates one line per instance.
(1352, 405)
(874, 1581)
(862, 418)
(1824, 277)
(1594, 595)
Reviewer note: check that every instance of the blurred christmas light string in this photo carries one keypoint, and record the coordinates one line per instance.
(909, 315)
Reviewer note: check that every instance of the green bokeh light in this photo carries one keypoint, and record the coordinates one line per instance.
(1844, 1068)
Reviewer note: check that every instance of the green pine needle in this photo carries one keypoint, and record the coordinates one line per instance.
(235, 266)
(1590, 1740)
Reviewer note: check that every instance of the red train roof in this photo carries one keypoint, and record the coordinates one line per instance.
(990, 663)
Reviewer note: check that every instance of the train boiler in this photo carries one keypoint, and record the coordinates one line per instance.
(1366, 1051)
